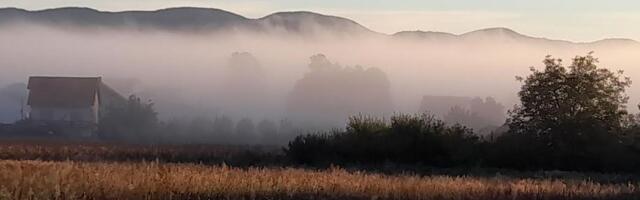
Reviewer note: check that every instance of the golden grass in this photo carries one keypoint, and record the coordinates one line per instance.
(77, 180)
(87, 151)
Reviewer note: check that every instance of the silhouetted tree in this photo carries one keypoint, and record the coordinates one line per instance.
(570, 118)
(406, 139)
(575, 111)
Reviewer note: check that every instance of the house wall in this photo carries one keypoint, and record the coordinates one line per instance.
(109, 98)
(95, 109)
(80, 115)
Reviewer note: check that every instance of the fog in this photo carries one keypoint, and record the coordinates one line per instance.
(190, 75)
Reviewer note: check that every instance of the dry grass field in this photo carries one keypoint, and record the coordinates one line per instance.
(84, 170)
(50, 150)
(153, 180)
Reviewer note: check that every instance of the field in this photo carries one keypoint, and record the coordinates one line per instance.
(49, 150)
(100, 171)
(72, 180)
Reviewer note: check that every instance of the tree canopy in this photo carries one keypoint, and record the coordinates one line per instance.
(570, 100)
(573, 114)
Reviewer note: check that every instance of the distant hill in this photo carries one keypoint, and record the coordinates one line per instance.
(425, 35)
(185, 19)
(169, 19)
(503, 35)
(216, 20)
(309, 23)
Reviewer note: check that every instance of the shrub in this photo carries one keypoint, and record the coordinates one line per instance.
(405, 139)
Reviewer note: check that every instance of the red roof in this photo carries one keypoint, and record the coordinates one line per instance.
(66, 92)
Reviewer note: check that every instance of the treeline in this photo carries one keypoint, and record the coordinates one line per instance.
(329, 93)
(570, 118)
(137, 122)
(405, 139)
(326, 95)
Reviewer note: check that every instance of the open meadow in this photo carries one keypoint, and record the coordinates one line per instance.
(151, 180)
(40, 170)
(84, 151)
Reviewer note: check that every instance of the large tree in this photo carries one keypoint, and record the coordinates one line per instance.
(573, 110)
(245, 86)
(329, 93)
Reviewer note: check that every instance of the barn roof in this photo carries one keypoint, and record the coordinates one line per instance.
(67, 92)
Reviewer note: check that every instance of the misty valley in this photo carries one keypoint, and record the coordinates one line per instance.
(202, 103)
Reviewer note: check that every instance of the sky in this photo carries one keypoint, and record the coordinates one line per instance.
(575, 20)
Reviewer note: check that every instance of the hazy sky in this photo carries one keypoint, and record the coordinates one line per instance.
(577, 20)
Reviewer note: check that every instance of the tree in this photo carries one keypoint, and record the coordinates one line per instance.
(133, 121)
(245, 86)
(268, 131)
(321, 62)
(576, 111)
(201, 129)
(223, 129)
(329, 93)
(245, 131)
(407, 139)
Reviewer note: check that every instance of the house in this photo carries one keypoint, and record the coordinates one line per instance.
(483, 115)
(72, 106)
(441, 105)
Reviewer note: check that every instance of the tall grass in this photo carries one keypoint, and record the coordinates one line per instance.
(50, 150)
(151, 180)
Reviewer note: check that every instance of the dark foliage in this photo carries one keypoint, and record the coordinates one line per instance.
(135, 121)
(405, 139)
(570, 118)
(224, 130)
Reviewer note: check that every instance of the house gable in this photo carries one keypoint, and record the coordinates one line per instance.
(70, 98)
(63, 92)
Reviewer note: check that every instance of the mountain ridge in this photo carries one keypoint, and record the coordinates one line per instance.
(213, 19)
